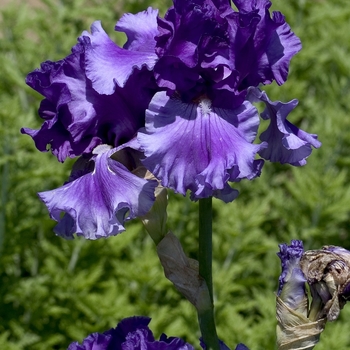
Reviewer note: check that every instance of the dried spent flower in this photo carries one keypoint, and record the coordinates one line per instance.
(328, 274)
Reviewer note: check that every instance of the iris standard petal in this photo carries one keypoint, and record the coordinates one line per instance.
(140, 30)
(200, 148)
(98, 203)
(286, 142)
(108, 65)
(265, 54)
(76, 117)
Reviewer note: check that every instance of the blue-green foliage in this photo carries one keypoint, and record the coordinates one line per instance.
(54, 291)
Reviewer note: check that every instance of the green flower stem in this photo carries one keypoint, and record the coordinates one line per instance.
(206, 311)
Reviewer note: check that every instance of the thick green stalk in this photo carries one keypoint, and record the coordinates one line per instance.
(206, 310)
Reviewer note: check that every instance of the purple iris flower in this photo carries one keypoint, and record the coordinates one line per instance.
(291, 287)
(179, 94)
(130, 334)
(90, 101)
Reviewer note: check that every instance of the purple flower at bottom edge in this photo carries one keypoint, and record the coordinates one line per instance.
(130, 334)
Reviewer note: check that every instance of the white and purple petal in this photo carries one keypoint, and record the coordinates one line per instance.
(108, 65)
(286, 142)
(198, 147)
(98, 203)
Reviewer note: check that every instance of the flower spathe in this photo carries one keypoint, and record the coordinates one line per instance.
(98, 203)
(130, 334)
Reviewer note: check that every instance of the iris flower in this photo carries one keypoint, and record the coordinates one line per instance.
(177, 98)
(130, 334)
(133, 334)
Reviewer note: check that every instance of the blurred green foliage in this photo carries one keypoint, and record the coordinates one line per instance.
(54, 291)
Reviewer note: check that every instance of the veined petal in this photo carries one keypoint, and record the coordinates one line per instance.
(286, 142)
(108, 65)
(98, 203)
(200, 148)
(140, 30)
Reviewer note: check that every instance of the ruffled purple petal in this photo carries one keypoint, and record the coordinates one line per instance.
(140, 30)
(265, 55)
(205, 47)
(76, 117)
(130, 334)
(292, 280)
(108, 65)
(286, 142)
(200, 148)
(98, 203)
(193, 47)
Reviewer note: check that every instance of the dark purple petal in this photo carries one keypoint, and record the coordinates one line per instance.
(131, 334)
(200, 148)
(108, 65)
(292, 280)
(286, 142)
(140, 30)
(98, 203)
(265, 54)
(205, 47)
(193, 47)
(76, 117)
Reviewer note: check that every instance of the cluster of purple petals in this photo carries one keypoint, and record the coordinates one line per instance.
(291, 274)
(180, 93)
(133, 334)
(130, 334)
(207, 48)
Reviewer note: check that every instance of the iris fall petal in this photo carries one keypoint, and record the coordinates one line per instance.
(199, 148)
(98, 203)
